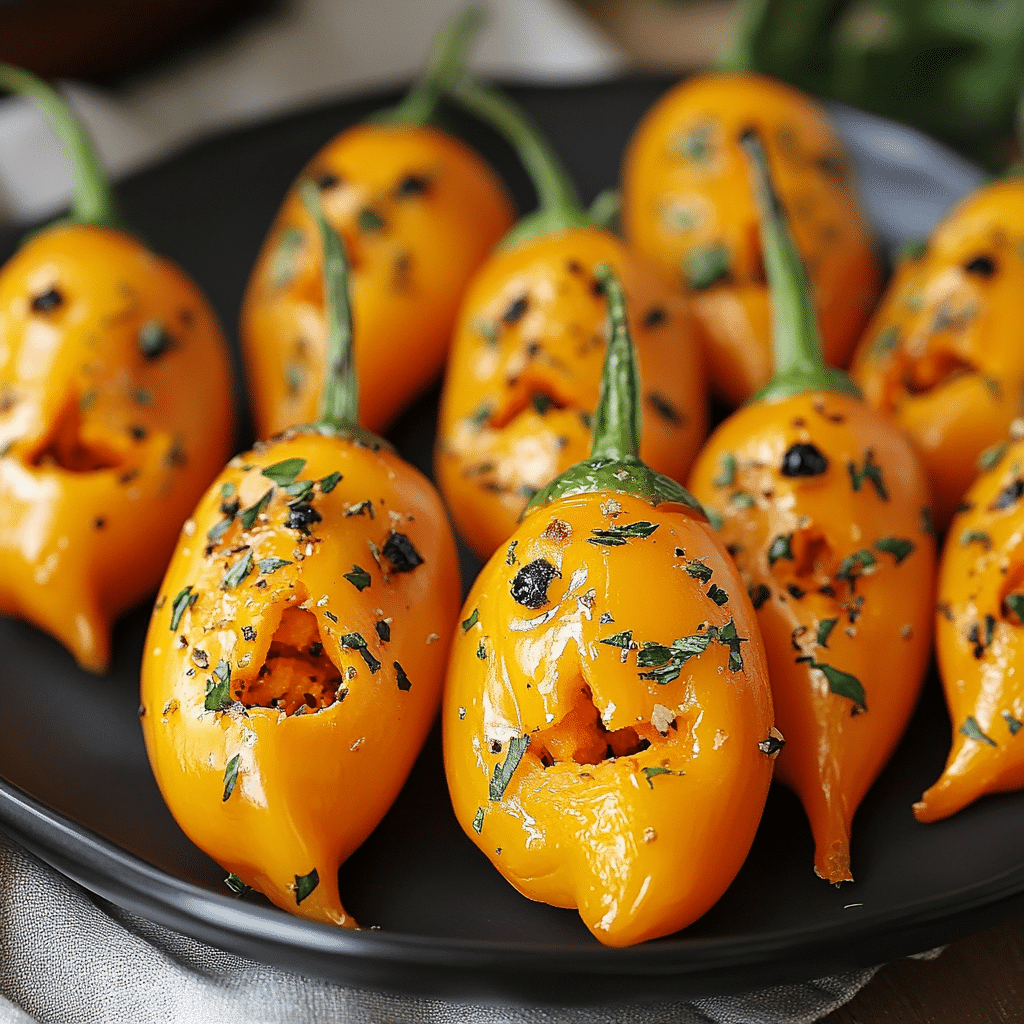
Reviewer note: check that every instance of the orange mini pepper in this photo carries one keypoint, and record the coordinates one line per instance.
(943, 356)
(826, 511)
(524, 372)
(687, 205)
(978, 638)
(419, 211)
(294, 661)
(103, 450)
(607, 718)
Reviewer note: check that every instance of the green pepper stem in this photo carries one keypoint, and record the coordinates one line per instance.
(557, 198)
(93, 201)
(339, 405)
(445, 66)
(617, 416)
(796, 340)
(614, 465)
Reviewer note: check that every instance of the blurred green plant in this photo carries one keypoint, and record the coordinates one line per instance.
(954, 68)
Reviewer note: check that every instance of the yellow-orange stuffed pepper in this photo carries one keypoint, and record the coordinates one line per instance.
(294, 662)
(687, 205)
(943, 355)
(980, 639)
(524, 372)
(826, 511)
(419, 211)
(608, 731)
(116, 409)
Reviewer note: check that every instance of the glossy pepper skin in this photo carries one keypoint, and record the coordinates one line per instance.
(687, 206)
(607, 718)
(942, 356)
(980, 641)
(295, 658)
(104, 452)
(419, 211)
(826, 511)
(524, 372)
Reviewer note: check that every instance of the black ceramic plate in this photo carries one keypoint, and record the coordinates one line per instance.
(77, 790)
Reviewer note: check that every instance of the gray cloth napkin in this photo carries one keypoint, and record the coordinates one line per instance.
(69, 956)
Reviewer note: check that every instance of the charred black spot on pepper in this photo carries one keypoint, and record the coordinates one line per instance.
(301, 517)
(530, 584)
(654, 317)
(248, 633)
(137, 432)
(803, 460)
(369, 220)
(597, 288)
(98, 523)
(47, 302)
(574, 266)
(664, 408)
(383, 630)
(795, 592)
(516, 311)
(401, 553)
(154, 340)
(830, 166)
(981, 266)
(412, 185)
(759, 595)
(327, 181)
(1009, 495)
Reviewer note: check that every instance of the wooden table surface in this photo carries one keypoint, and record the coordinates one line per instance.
(978, 980)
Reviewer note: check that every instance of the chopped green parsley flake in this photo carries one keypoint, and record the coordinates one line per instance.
(478, 821)
(237, 572)
(615, 536)
(329, 482)
(247, 517)
(284, 473)
(853, 566)
(840, 683)
(185, 599)
(1013, 724)
(699, 571)
(717, 594)
(703, 268)
(360, 509)
(972, 730)
(468, 624)
(154, 340)
(825, 627)
(872, 471)
(268, 565)
(727, 472)
(991, 457)
(895, 546)
(237, 886)
(358, 577)
(230, 777)
(503, 772)
(305, 884)
(622, 640)
(285, 257)
(780, 547)
(886, 341)
(969, 537)
(652, 771)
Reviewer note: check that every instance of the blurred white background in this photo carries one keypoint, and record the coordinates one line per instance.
(296, 54)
